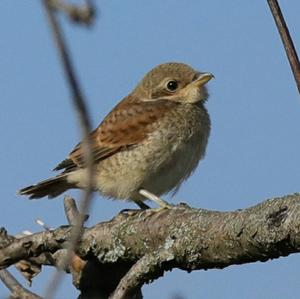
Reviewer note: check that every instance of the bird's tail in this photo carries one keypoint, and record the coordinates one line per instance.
(51, 187)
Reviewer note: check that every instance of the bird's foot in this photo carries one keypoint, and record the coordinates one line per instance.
(142, 206)
(159, 201)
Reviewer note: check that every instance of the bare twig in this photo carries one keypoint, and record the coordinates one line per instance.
(28, 268)
(140, 271)
(286, 39)
(17, 290)
(41, 223)
(71, 210)
(76, 263)
(85, 126)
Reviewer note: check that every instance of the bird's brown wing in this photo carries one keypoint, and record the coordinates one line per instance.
(124, 127)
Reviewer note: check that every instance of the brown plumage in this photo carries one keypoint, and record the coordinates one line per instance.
(153, 139)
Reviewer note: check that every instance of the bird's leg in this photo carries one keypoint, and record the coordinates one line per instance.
(160, 202)
(142, 205)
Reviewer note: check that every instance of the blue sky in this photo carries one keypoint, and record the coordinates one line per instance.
(253, 151)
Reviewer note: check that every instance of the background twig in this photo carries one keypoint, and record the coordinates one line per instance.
(286, 39)
(84, 14)
(80, 107)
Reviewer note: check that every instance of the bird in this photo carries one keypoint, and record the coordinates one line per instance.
(153, 139)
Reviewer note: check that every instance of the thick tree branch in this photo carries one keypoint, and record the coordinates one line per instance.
(182, 237)
(286, 40)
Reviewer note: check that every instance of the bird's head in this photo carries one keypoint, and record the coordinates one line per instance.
(176, 82)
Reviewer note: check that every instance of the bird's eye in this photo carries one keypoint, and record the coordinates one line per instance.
(172, 85)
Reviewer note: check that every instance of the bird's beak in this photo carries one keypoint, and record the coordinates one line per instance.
(202, 79)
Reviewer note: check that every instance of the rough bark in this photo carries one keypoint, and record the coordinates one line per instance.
(137, 247)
